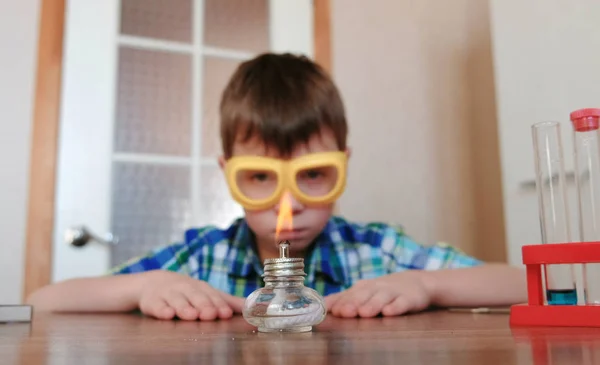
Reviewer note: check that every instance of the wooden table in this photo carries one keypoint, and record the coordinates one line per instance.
(429, 338)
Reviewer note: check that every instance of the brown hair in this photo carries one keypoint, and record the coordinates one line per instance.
(284, 100)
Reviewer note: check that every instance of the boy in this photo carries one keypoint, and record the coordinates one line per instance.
(283, 131)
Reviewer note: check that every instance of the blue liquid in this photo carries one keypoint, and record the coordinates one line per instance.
(561, 297)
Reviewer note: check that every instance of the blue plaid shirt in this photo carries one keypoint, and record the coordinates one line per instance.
(340, 256)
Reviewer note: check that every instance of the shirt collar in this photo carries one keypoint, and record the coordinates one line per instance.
(323, 257)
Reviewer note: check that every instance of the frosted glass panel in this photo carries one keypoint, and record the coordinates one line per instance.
(217, 206)
(150, 207)
(217, 72)
(162, 19)
(240, 25)
(153, 102)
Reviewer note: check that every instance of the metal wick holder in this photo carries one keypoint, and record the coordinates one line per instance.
(284, 268)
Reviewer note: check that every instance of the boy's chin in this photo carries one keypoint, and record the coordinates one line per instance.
(300, 245)
(297, 245)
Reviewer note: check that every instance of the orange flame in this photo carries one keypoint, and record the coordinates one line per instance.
(284, 219)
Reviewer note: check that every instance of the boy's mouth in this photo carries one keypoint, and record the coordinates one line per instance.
(291, 234)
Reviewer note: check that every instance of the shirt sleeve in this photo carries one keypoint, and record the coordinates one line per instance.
(174, 257)
(407, 254)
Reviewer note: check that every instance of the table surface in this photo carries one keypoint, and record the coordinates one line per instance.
(437, 337)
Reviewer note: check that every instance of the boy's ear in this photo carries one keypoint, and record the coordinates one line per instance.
(348, 152)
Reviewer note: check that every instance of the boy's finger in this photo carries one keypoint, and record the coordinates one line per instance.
(165, 313)
(203, 304)
(222, 308)
(347, 310)
(208, 313)
(340, 302)
(375, 304)
(235, 303)
(348, 305)
(159, 309)
(399, 306)
(331, 300)
(183, 308)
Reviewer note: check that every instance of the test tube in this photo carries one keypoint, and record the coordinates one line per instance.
(585, 124)
(553, 209)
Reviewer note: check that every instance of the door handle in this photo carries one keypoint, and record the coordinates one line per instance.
(80, 236)
(569, 177)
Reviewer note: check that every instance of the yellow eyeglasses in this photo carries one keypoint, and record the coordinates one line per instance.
(257, 182)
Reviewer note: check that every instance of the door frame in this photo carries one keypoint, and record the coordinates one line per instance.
(46, 124)
(44, 147)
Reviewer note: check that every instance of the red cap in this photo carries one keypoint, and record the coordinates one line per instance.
(587, 119)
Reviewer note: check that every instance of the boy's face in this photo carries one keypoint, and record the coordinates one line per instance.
(308, 221)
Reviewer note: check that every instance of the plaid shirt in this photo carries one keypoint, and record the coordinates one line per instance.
(341, 255)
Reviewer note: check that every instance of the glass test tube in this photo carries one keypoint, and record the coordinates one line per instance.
(586, 146)
(553, 209)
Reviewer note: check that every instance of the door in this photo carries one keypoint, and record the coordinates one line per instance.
(139, 139)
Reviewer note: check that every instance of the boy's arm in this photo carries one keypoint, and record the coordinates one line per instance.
(456, 279)
(415, 290)
(420, 276)
(161, 284)
(484, 285)
(117, 292)
(104, 294)
(159, 293)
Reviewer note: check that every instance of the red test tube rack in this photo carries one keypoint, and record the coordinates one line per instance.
(536, 312)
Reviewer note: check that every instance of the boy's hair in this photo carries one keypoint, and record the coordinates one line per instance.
(283, 100)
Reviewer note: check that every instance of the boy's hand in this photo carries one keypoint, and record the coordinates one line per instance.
(166, 294)
(390, 295)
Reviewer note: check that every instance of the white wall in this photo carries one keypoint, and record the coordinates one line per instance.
(417, 79)
(546, 57)
(18, 44)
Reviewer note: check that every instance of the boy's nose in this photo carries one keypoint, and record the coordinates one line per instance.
(295, 204)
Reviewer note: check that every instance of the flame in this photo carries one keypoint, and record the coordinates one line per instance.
(284, 219)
